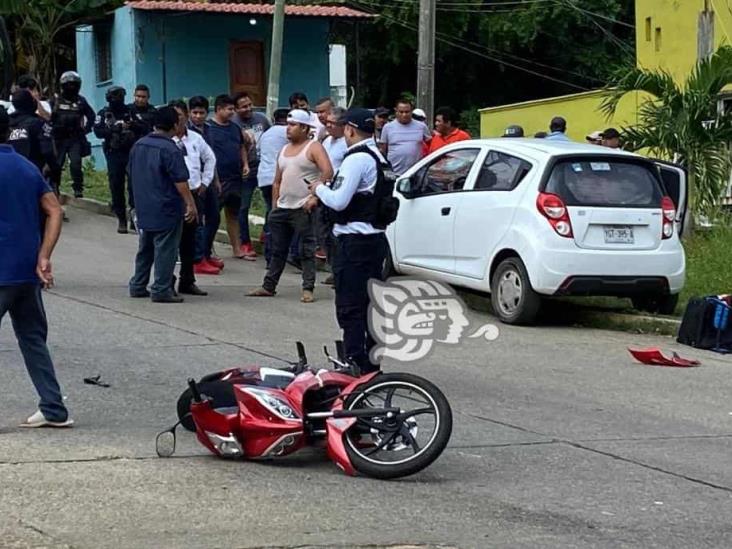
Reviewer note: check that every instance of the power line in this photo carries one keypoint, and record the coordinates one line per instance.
(451, 42)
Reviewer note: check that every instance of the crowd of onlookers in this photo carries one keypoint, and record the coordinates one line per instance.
(558, 132)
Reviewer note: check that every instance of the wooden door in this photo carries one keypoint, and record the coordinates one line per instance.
(246, 70)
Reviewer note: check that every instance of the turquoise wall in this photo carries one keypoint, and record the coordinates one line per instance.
(123, 65)
(197, 53)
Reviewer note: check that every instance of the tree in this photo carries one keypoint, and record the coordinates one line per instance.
(684, 123)
(40, 23)
(492, 52)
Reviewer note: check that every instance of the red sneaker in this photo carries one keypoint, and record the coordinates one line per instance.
(320, 254)
(203, 267)
(248, 250)
(216, 262)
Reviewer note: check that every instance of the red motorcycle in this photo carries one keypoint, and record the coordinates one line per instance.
(381, 425)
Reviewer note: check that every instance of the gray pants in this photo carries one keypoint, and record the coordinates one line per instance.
(159, 248)
(284, 224)
(25, 306)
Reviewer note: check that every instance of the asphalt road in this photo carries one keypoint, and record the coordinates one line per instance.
(560, 439)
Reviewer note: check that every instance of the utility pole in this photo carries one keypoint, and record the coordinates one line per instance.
(426, 58)
(275, 59)
(705, 35)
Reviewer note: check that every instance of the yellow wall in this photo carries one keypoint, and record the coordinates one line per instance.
(676, 52)
(678, 22)
(580, 110)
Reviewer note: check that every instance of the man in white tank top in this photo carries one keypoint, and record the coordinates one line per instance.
(300, 162)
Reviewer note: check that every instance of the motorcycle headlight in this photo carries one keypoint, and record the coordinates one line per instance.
(275, 405)
(226, 446)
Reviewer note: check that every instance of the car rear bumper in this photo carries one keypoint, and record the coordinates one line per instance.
(620, 286)
(569, 272)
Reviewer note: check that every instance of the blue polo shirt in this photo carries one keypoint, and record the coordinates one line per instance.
(226, 142)
(21, 189)
(156, 165)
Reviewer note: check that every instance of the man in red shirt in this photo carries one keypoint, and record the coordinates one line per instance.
(446, 130)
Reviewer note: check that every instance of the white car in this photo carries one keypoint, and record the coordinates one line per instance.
(527, 218)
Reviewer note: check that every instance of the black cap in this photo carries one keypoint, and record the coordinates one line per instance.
(361, 119)
(558, 124)
(610, 133)
(24, 102)
(381, 111)
(513, 131)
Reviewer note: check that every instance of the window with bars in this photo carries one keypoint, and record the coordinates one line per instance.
(103, 52)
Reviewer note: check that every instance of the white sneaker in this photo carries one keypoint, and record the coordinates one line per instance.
(38, 420)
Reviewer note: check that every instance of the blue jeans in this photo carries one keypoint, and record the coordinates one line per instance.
(247, 192)
(210, 215)
(25, 306)
(267, 195)
(161, 249)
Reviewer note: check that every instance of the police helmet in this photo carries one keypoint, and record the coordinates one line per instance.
(70, 76)
(115, 94)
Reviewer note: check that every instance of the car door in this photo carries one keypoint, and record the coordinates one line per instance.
(427, 212)
(675, 179)
(487, 211)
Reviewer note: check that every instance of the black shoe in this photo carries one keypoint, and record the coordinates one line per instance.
(330, 281)
(192, 289)
(78, 194)
(167, 299)
(122, 226)
(141, 294)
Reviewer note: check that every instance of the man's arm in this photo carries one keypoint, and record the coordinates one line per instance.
(276, 184)
(318, 154)
(175, 164)
(46, 145)
(383, 143)
(208, 158)
(346, 186)
(89, 116)
(244, 154)
(101, 130)
(54, 220)
(191, 213)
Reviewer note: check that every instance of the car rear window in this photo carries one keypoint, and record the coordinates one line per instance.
(604, 182)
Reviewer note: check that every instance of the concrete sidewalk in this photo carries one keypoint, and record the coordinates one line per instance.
(560, 439)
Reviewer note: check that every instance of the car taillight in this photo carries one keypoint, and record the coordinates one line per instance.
(552, 207)
(669, 215)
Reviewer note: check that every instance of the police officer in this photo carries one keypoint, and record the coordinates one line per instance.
(30, 135)
(114, 125)
(143, 113)
(71, 119)
(353, 206)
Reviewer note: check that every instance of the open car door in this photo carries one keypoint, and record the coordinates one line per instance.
(675, 179)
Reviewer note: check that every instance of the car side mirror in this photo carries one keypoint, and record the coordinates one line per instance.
(405, 188)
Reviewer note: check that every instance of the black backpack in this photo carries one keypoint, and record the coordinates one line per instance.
(698, 325)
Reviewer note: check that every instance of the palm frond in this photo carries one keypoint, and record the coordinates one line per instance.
(659, 84)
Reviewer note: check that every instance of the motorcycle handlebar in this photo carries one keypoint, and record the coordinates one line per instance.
(194, 390)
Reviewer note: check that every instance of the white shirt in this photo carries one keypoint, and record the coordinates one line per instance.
(10, 109)
(268, 149)
(336, 149)
(199, 157)
(358, 173)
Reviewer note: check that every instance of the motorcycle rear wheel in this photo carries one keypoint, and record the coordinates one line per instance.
(222, 393)
(366, 459)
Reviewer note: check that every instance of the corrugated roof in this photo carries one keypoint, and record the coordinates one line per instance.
(249, 9)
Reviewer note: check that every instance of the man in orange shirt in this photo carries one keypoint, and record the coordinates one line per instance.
(446, 130)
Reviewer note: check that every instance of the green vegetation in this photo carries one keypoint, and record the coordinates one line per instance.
(708, 264)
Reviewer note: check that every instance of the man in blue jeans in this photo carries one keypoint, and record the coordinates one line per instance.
(25, 266)
(159, 178)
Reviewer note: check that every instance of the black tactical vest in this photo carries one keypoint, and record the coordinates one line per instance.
(67, 118)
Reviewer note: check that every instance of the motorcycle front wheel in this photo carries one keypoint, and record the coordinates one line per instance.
(387, 448)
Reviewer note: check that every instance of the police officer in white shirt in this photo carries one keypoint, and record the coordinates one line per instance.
(361, 246)
(201, 164)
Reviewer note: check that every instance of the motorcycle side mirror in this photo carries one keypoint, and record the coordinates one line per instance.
(165, 441)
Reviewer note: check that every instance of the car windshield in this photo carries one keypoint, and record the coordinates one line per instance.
(605, 182)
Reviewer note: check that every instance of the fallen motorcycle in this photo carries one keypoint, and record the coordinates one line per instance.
(382, 425)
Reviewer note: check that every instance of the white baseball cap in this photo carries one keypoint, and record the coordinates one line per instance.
(299, 116)
(419, 112)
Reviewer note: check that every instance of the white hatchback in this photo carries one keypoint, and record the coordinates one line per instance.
(526, 218)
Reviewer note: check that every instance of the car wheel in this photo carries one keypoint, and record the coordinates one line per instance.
(657, 304)
(514, 300)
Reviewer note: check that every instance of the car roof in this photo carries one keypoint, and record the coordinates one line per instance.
(547, 147)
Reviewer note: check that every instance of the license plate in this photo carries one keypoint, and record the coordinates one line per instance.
(619, 235)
